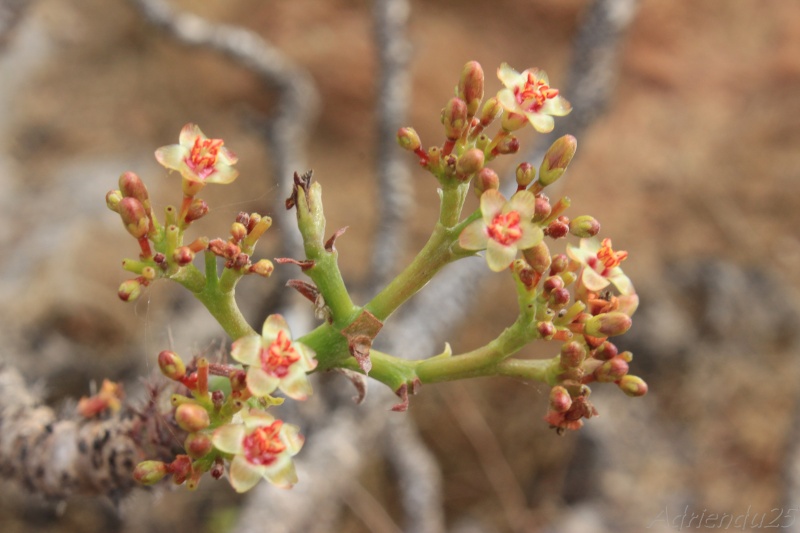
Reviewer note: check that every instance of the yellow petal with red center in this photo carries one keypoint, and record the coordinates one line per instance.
(247, 350)
(508, 76)
(281, 473)
(558, 107)
(172, 157)
(492, 203)
(189, 133)
(273, 325)
(291, 437)
(541, 122)
(531, 235)
(524, 203)
(259, 383)
(474, 236)
(498, 256)
(593, 281)
(223, 174)
(509, 102)
(296, 385)
(228, 438)
(243, 475)
(307, 361)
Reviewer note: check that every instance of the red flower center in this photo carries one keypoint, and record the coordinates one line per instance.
(608, 256)
(505, 228)
(533, 95)
(263, 445)
(276, 359)
(203, 156)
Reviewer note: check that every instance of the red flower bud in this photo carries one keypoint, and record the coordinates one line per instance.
(192, 417)
(485, 180)
(197, 445)
(171, 365)
(556, 159)
(538, 257)
(264, 268)
(470, 86)
(134, 217)
(150, 472)
(633, 385)
(572, 354)
(454, 118)
(470, 162)
(131, 186)
(525, 175)
(560, 400)
(584, 227)
(408, 139)
(607, 325)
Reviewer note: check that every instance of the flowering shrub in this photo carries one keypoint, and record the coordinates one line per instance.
(580, 299)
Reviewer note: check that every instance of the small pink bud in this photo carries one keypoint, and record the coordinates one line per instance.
(217, 247)
(560, 400)
(134, 217)
(198, 245)
(605, 351)
(197, 445)
(525, 175)
(490, 111)
(264, 268)
(171, 365)
(470, 86)
(513, 121)
(132, 186)
(192, 417)
(542, 208)
(552, 283)
(538, 257)
(485, 180)
(556, 229)
(238, 231)
(197, 209)
(454, 118)
(556, 159)
(633, 385)
(149, 273)
(559, 298)
(257, 229)
(150, 472)
(113, 199)
(129, 290)
(546, 330)
(572, 354)
(408, 139)
(470, 162)
(584, 226)
(507, 145)
(608, 324)
(612, 370)
(559, 264)
(183, 255)
(244, 218)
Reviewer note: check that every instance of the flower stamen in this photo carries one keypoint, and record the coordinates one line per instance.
(279, 356)
(203, 156)
(505, 228)
(608, 256)
(263, 445)
(534, 93)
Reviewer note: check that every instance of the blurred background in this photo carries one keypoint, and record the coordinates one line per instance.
(692, 167)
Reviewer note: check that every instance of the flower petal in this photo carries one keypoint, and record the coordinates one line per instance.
(296, 385)
(593, 281)
(272, 325)
(531, 235)
(307, 361)
(247, 349)
(541, 122)
(621, 281)
(508, 100)
(189, 133)
(628, 304)
(222, 174)
(172, 157)
(243, 475)
(524, 203)
(281, 473)
(228, 438)
(492, 203)
(474, 236)
(498, 256)
(291, 437)
(508, 76)
(580, 254)
(254, 418)
(558, 107)
(259, 383)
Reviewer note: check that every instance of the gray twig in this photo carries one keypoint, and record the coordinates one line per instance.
(394, 189)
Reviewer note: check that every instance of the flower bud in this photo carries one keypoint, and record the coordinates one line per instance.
(572, 354)
(560, 400)
(129, 290)
(197, 209)
(546, 330)
(112, 200)
(525, 175)
(482, 142)
(454, 118)
(264, 268)
(149, 273)
(556, 229)
(542, 208)
(470, 162)
(150, 472)
(607, 324)
(132, 186)
(605, 351)
(559, 298)
(171, 365)
(559, 264)
(183, 255)
(612, 370)
(490, 111)
(584, 226)
(244, 218)
(485, 180)
(134, 217)
(507, 145)
(513, 121)
(408, 139)
(197, 445)
(470, 86)
(556, 159)
(192, 417)
(538, 257)
(633, 385)
(238, 231)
